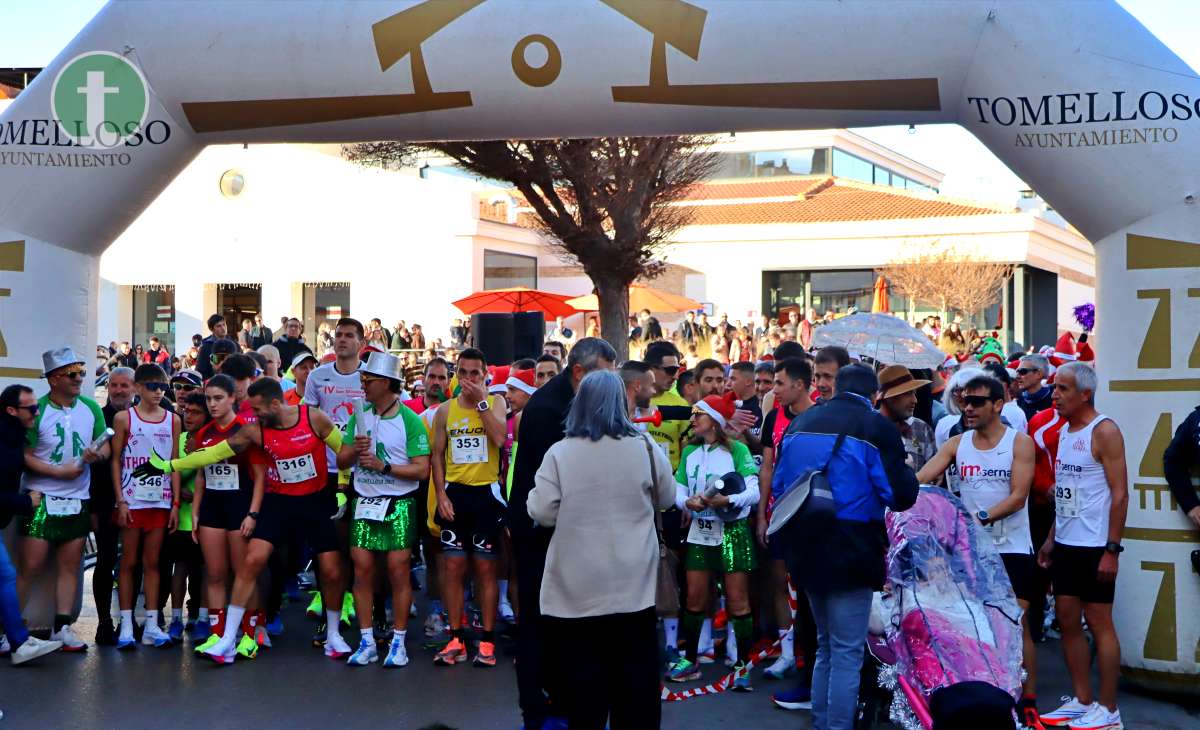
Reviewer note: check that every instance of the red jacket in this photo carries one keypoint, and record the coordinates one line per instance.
(1043, 429)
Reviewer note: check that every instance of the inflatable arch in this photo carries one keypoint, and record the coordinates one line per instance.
(1076, 97)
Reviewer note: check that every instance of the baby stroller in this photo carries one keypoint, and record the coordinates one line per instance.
(950, 647)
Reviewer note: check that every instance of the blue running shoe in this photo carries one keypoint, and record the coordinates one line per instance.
(275, 628)
(175, 630)
(124, 644)
(796, 699)
(200, 632)
(741, 678)
(683, 671)
(397, 655)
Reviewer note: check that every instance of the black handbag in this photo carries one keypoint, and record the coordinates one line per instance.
(808, 502)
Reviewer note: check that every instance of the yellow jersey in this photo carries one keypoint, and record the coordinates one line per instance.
(471, 457)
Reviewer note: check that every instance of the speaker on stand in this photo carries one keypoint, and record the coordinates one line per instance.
(493, 334)
(529, 333)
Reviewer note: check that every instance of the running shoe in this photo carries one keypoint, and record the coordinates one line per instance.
(32, 649)
(348, 614)
(485, 656)
(784, 666)
(175, 630)
(796, 699)
(365, 654)
(435, 625)
(275, 628)
(741, 678)
(318, 637)
(1098, 717)
(152, 635)
(70, 642)
(220, 655)
(210, 642)
(1028, 716)
(126, 643)
(1071, 709)
(336, 647)
(5, 647)
(397, 655)
(262, 637)
(247, 647)
(505, 611)
(201, 630)
(683, 671)
(707, 657)
(316, 607)
(453, 653)
(106, 633)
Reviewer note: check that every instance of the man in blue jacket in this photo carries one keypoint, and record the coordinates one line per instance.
(840, 567)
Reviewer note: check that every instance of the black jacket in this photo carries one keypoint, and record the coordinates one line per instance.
(12, 465)
(1031, 406)
(288, 350)
(543, 424)
(868, 475)
(1180, 458)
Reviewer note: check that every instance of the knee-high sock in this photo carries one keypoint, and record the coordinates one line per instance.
(743, 630)
(692, 623)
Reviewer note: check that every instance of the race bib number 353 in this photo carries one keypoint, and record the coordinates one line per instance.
(469, 449)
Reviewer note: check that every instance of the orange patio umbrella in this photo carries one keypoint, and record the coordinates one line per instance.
(641, 297)
(516, 299)
(880, 302)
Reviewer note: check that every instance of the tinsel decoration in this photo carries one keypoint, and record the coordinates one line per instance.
(899, 712)
(1085, 315)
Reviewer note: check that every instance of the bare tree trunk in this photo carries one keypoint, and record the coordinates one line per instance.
(614, 314)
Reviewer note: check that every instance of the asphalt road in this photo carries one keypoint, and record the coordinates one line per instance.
(294, 685)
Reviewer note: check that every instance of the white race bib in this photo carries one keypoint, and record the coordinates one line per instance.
(149, 489)
(997, 532)
(63, 506)
(706, 529)
(371, 508)
(1066, 499)
(296, 469)
(469, 449)
(221, 477)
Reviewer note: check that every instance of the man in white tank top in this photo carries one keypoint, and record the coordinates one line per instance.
(995, 471)
(1091, 498)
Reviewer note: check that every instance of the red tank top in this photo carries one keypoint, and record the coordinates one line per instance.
(212, 434)
(296, 463)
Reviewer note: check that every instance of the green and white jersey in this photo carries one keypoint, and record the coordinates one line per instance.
(59, 436)
(697, 464)
(395, 440)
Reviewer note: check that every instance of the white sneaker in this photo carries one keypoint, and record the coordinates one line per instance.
(5, 647)
(1098, 717)
(70, 642)
(784, 666)
(336, 647)
(221, 652)
(365, 654)
(1071, 709)
(34, 648)
(506, 611)
(435, 625)
(397, 655)
(152, 635)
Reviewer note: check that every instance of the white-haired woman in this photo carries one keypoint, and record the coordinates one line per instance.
(600, 488)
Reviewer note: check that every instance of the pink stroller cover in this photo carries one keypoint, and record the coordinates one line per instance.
(950, 613)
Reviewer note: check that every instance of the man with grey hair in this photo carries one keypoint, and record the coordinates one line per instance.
(102, 503)
(1035, 395)
(542, 424)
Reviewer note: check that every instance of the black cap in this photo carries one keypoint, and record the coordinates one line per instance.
(225, 347)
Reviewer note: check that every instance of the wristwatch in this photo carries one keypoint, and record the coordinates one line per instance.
(252, 515)
(982, 515)
(1114, 547)
(483, 406)
(387, 469)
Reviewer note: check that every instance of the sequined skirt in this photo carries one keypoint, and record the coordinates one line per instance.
(396, 531)
(57, 528)
(735, 554)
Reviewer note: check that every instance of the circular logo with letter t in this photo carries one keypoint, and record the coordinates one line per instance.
(99, 99)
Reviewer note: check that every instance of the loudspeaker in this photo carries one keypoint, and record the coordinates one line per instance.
(529, 332)
(493, 334)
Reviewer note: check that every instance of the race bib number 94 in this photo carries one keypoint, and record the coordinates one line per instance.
(707, 529)
(296, 469)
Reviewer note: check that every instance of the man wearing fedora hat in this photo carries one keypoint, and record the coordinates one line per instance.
(897, 402)
(390, 449)
(57, 456)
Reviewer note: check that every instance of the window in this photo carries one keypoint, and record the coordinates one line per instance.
(237, 302)
(323, 303)
(505, 270)
(154, 315)
(850, 167)
(884, 177)
(773, 163)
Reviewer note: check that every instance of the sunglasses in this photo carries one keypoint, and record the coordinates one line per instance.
(157, 387)
(668, 369)
(976, 401)
(183, 387)
(1026, 371)
(73, 373)
(369, 378)
(217, 359)
(33, 409)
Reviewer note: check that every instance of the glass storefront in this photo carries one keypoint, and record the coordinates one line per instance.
(818, 161)
(323, 302)
(824, 291)
(154, 315)
(505, 270)
(237, 302)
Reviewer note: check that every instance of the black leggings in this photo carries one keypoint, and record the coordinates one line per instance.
(107, 538)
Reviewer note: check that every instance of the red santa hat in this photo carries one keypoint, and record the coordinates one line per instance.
(522, 380)
(719, 407)
(1086, 353)
(1064, 350)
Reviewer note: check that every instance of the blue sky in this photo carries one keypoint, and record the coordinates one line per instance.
(37, 31)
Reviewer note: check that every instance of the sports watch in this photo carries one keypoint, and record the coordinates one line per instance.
(483, 406)
(982, 515)
(387, 469)
(1114, 547)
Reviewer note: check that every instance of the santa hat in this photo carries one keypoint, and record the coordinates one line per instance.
(365, 353)
(1086, 353)
(1064, 350)
(719, 407)
(522, 380)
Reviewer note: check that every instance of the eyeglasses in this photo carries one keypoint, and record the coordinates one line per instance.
(364, 378)
(183, 387)
(156, 386)
(1026, 371)
(976, 401)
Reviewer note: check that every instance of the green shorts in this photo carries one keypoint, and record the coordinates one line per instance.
(735, 554)
(57, 528)
(396, 531)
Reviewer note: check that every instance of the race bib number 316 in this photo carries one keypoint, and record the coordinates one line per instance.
(296, 469)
